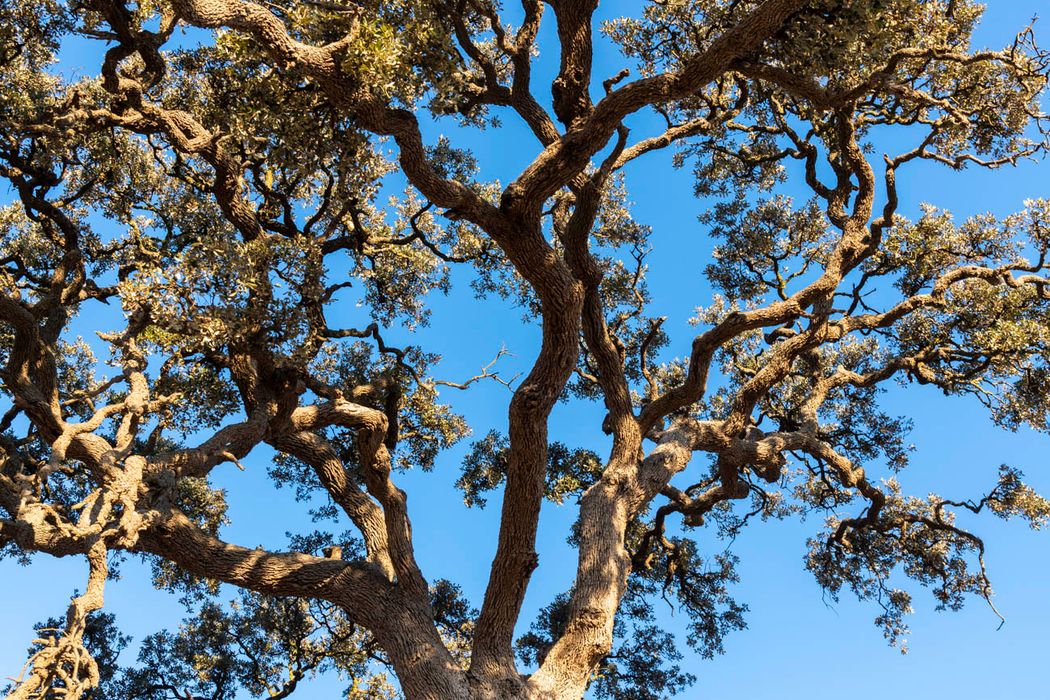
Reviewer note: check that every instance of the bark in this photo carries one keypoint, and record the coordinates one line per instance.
(130, 502)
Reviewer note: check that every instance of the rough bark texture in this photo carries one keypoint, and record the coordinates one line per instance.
(737, 60)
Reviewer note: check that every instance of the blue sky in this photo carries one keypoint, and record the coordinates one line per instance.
(798, 645)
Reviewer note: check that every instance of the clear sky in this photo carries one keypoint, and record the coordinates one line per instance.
(799, 645)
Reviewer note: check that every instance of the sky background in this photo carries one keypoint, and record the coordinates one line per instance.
(799, 645)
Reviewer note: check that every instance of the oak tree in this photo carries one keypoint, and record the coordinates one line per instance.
(248, 184)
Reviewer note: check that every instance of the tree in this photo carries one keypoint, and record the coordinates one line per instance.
(229, 181)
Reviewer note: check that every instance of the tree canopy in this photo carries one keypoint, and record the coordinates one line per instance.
(245, 202)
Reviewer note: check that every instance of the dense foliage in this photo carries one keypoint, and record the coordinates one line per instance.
(242, 197)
